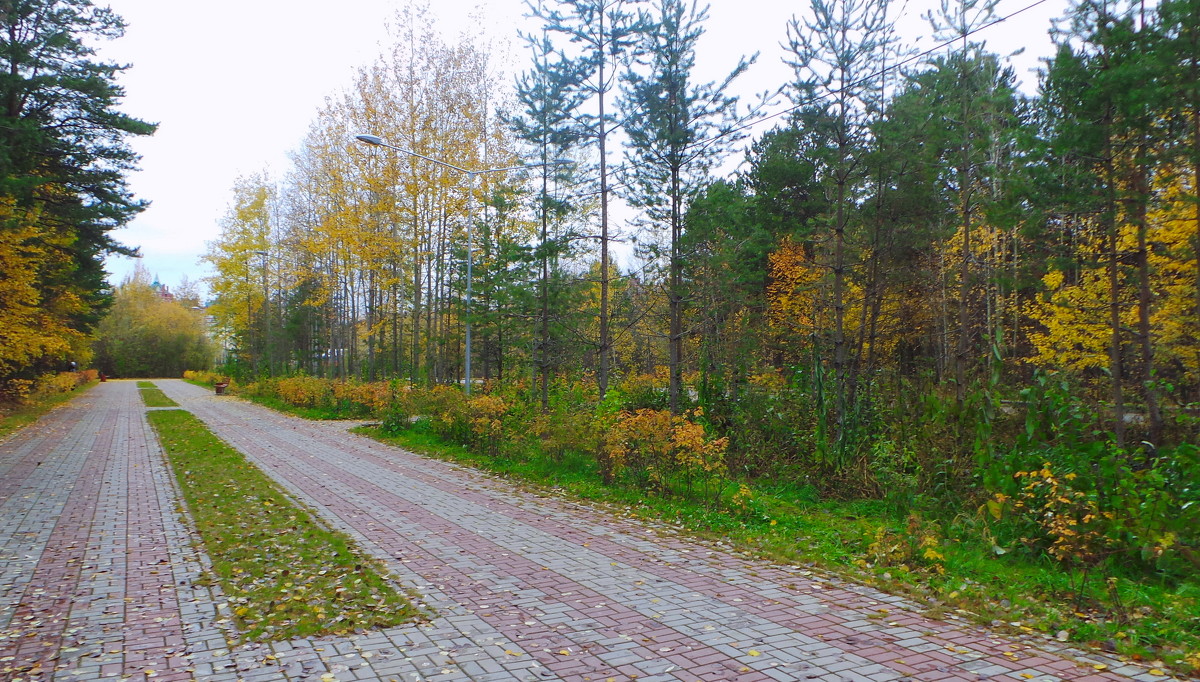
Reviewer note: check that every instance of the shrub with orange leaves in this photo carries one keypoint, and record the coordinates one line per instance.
(485, 414)
(1062, 520)
(660, 450)
(203, 376)
(1069, 518)
(304, 391)
(353, 398)
(646, 391)
(52, 384)
(637, 442)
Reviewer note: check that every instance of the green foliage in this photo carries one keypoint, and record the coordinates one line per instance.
(922, 511)
(642, 391)
(945, 564)
(153, 396)
(1063, 489)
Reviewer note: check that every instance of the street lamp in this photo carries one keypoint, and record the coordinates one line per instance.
(471, 175)
(266, 313)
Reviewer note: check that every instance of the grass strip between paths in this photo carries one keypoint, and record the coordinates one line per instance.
(152, 396)
(285, 573)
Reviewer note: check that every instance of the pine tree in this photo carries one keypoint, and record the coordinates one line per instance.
(1096, 120)
(549, 101)
(603, 35)
(837, 57)
(64, 155)
(681, 131)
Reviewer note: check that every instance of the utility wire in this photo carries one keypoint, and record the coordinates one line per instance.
(872, 76)
(812, 100)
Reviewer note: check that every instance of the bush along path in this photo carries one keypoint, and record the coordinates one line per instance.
(525, 586)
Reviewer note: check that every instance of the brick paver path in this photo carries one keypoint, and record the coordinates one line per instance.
(98, 575)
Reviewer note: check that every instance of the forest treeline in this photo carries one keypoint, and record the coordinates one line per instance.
(921, 283)
(925, 223)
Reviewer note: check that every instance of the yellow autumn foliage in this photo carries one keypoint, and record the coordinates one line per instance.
(795, 290)
(31, 327)
(660, 446)
(1073, 319)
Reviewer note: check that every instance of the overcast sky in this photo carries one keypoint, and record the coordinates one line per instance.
(234, 85)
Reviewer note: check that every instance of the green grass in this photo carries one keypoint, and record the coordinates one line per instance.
(875, 543)
(13, 417)
(152, 396)
(285, 573)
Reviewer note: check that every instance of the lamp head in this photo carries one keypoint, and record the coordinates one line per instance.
(369, 139)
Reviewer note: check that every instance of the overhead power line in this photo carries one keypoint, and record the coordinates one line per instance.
(904, 62)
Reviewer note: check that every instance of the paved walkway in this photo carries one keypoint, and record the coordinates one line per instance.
(98, 576)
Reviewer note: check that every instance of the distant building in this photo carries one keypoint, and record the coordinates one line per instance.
(163, 291)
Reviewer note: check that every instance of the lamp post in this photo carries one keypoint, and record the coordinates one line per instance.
(266, 313)
(471, 176)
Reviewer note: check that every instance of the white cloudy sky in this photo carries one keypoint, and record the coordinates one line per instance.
(234, 85)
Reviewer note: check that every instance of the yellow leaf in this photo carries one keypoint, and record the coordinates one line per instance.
(753, 652)
(1099, 666)
(995, 507)
(564, 652)
(1157, 672)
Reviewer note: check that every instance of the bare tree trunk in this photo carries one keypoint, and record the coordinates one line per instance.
(1139, 184)
(544, 359)
(1195, 150)
(839, 260)
(1116, 364)
(605, 340)
(675, 294)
